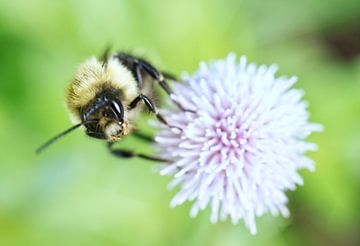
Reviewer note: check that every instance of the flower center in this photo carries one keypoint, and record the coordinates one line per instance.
(227, 137)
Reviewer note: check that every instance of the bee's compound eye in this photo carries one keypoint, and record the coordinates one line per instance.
(108, 113)
(92, 126)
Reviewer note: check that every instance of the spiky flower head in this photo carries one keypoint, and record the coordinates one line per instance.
(242, 140)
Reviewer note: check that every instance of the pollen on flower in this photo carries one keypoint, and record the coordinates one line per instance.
(242, 144)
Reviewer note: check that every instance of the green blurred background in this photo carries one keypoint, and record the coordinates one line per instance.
(75, 193)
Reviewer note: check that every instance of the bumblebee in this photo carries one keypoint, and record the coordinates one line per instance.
(105, 95)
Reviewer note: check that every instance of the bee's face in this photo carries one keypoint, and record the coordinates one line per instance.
(107, 129)
(106, 120)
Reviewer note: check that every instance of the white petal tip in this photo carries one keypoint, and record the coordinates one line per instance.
(163, 172)
(175, 130)
(318, 128)
(213, 221)
(173, 204)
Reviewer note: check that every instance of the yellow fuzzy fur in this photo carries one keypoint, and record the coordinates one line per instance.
(90, 79)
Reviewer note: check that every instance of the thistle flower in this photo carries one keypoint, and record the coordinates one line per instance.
(240, 149)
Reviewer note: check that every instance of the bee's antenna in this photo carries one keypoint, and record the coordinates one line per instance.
(57, 137)
(104, 57)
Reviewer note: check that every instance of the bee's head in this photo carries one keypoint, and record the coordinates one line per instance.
(103, 118)
(106, 119)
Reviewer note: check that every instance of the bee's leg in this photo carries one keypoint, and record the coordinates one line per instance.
(137, 64)
(155, 74)
(150, 105)
(105, 55)
(169, 76)
(142, 136)
(137, 73)
(129, 154)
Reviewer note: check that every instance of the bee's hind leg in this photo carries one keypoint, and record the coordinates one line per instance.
(160, 78)
(142, 136)
(130, 154)
(138, 65)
